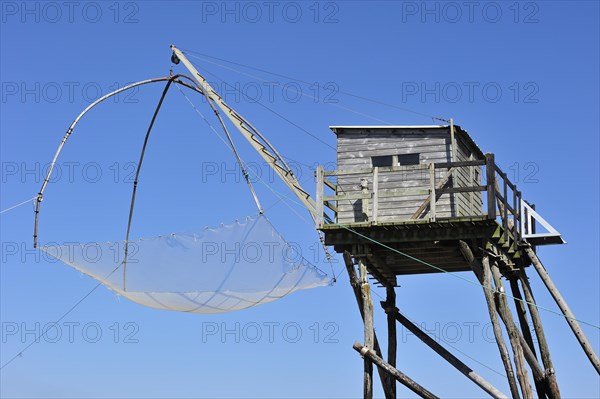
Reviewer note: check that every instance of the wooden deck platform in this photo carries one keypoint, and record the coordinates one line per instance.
(422, 246)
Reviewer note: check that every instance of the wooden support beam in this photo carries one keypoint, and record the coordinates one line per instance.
(432, 193)
(449, 357)
(484, 277)
(513, 334)
(540, 387)
(373, 217)
(394, 372)
(379, 262)
(439, 186)
(367, 302)
(390, 303)
(319, 195)
(490, 173)
(564, 308)
(552, 385)
(355, 284)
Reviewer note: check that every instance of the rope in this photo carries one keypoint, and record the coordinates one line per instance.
(443, 270)
(361, 235)
(60, 318)
(235, 152)
(18, 205)
(191, 54)
(281, 198)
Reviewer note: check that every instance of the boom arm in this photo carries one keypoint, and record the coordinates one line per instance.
(256, 140)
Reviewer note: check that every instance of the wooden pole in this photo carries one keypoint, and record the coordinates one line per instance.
(553, 391)
(390, 303)
(562, 304)
(490, 173)
(484, 277)
(355, 284)
(449, 357)
(368, 322)
(394, 372)
(540, 387)
(513, 333)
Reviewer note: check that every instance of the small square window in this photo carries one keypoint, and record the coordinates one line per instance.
(408, 159)
(382, 161)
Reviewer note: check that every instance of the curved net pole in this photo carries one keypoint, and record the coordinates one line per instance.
(137, 175)
(175, 79)
(72, 127)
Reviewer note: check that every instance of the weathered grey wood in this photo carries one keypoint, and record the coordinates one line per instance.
(375, 194)
(357, 145)
(490, 173)
(380, 263)
(328, 183)
(390, 303)
(425, 203)
(540, 386)
(394, 372)
(551, 383)
(482, 271)
(513, 334)
(355, 284)
(365, 289)
(564, 308)
(432, 199)
(463, 189)
(319, 194)
(449, 357)
(459, 164)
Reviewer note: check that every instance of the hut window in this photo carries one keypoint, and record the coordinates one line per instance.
(408, 159)
(382, 161)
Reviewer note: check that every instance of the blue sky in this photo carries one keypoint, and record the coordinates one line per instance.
(522, 78)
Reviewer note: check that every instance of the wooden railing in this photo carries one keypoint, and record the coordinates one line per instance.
(502, 202)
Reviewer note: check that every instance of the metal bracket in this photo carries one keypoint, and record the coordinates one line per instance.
(528, 218)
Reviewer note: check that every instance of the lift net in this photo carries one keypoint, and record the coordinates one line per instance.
(232, 267)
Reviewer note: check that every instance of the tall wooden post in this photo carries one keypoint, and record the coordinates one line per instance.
(513, 333)
(553, 390)
(369, 339)
(562, 304)
(484, 277)
(355, 284)
(540, 387)
(490, 173)
(390, 309)
(453, 360)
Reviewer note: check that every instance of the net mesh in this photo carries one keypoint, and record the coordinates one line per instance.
(232, 267)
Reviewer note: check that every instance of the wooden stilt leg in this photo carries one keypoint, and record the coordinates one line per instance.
(453, 360)
(355, 284)
(540, 386)
(483, 274)
(513, 333)
(397, 374)
(552, 385)
(564, 308)
(369, 338)
(390, 303)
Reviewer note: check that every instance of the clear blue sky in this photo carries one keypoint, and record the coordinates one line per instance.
(522, 78)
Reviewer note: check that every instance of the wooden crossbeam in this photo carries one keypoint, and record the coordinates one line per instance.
(484, 276)
(355, 284)
(444, 353)
(427, 201)
(394, 372)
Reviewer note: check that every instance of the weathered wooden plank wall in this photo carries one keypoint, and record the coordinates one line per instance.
(355, 149)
